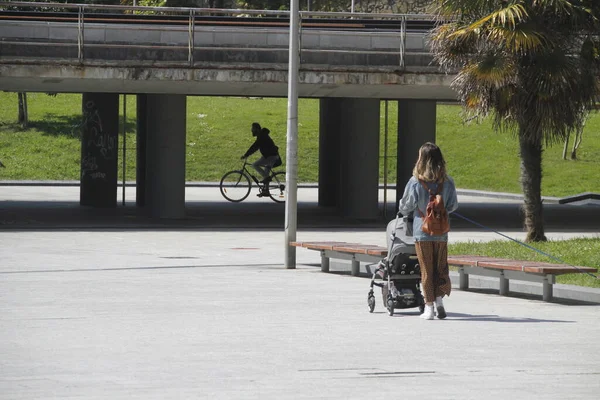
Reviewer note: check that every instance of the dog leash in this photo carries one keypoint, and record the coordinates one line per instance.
(525, 245)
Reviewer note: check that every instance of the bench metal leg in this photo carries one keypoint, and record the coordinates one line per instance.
(324, 263)
(547, 288)
(355, 267)
(463, 279)
(503, 285)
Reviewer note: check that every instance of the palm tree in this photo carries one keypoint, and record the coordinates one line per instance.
(533, 65)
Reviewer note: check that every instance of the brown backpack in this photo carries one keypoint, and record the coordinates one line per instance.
(435, 220)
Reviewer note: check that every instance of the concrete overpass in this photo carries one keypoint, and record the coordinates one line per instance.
(350, 67)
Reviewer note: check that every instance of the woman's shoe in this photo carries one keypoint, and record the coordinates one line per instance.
(428, 313)
(439, 308)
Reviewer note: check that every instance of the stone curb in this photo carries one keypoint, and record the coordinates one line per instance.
(466, 192)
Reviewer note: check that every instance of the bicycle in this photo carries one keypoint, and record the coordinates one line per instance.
(235, 185)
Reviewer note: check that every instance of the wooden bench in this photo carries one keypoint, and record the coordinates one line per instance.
(532, 271)
(504, 269)
(355, 252)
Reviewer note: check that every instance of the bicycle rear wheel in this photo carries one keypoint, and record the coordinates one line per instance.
(235, 186)
(277, 187)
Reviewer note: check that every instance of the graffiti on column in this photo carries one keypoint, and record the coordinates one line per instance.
(99, 144)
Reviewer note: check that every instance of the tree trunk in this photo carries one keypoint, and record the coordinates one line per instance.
(576, 143)
(566, 147)
(531, 182)
(23, 117)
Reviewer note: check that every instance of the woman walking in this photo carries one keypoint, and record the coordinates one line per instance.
(430, 177)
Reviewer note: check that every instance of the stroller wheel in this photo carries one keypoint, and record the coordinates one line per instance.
(371, 302)
(421, 308)
(390, 307)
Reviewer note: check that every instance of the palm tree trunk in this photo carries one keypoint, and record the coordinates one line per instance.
(531, 182)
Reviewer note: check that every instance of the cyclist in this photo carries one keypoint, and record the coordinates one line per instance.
(269, 154)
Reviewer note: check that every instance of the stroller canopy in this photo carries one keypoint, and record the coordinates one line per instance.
(398, 241)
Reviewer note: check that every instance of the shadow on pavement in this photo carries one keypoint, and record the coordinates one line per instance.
(496, 318)
(267, 215)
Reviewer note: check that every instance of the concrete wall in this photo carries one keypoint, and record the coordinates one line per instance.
(221, 81)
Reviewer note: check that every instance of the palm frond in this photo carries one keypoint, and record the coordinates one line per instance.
(517, 40)
(451, 51)
(507, 17)
(457, 8)
(491, 71)
(557, 7)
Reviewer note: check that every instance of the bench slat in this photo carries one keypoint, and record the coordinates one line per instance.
(471, 261)
(382, 252)
(318, 245)
(345, 247)
(358, 248)
(536, 267)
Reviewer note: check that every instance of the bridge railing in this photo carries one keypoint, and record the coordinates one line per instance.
(133, 35)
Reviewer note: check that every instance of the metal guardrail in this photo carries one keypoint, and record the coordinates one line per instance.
(86, 11)
(213, 11)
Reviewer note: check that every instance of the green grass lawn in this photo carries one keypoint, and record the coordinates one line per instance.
(218, 133)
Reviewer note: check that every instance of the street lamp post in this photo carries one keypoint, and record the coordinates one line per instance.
(291, 187)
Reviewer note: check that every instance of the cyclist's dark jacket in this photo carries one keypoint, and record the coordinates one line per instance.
(265, 144)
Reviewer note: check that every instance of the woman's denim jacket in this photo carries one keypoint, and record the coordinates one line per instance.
(415, 196)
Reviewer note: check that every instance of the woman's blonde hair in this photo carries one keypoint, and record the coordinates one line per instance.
(430, 166)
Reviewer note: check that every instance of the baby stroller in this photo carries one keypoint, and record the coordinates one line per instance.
(398, 274)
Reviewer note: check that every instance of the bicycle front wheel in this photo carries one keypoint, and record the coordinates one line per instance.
(235, 186)
(277, 187)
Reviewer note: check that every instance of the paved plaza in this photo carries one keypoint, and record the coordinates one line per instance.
(194, 310)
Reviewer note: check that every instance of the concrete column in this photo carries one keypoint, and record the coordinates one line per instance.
(329, 151)
(99, 150)
(358, 196)
(141, 139)
(416, 125)
(165, 151)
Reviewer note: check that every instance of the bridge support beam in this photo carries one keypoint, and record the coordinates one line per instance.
(416, 125)
(349, 156)
(165, 155)
(141, 138)
(329, 151)
(99, 150)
